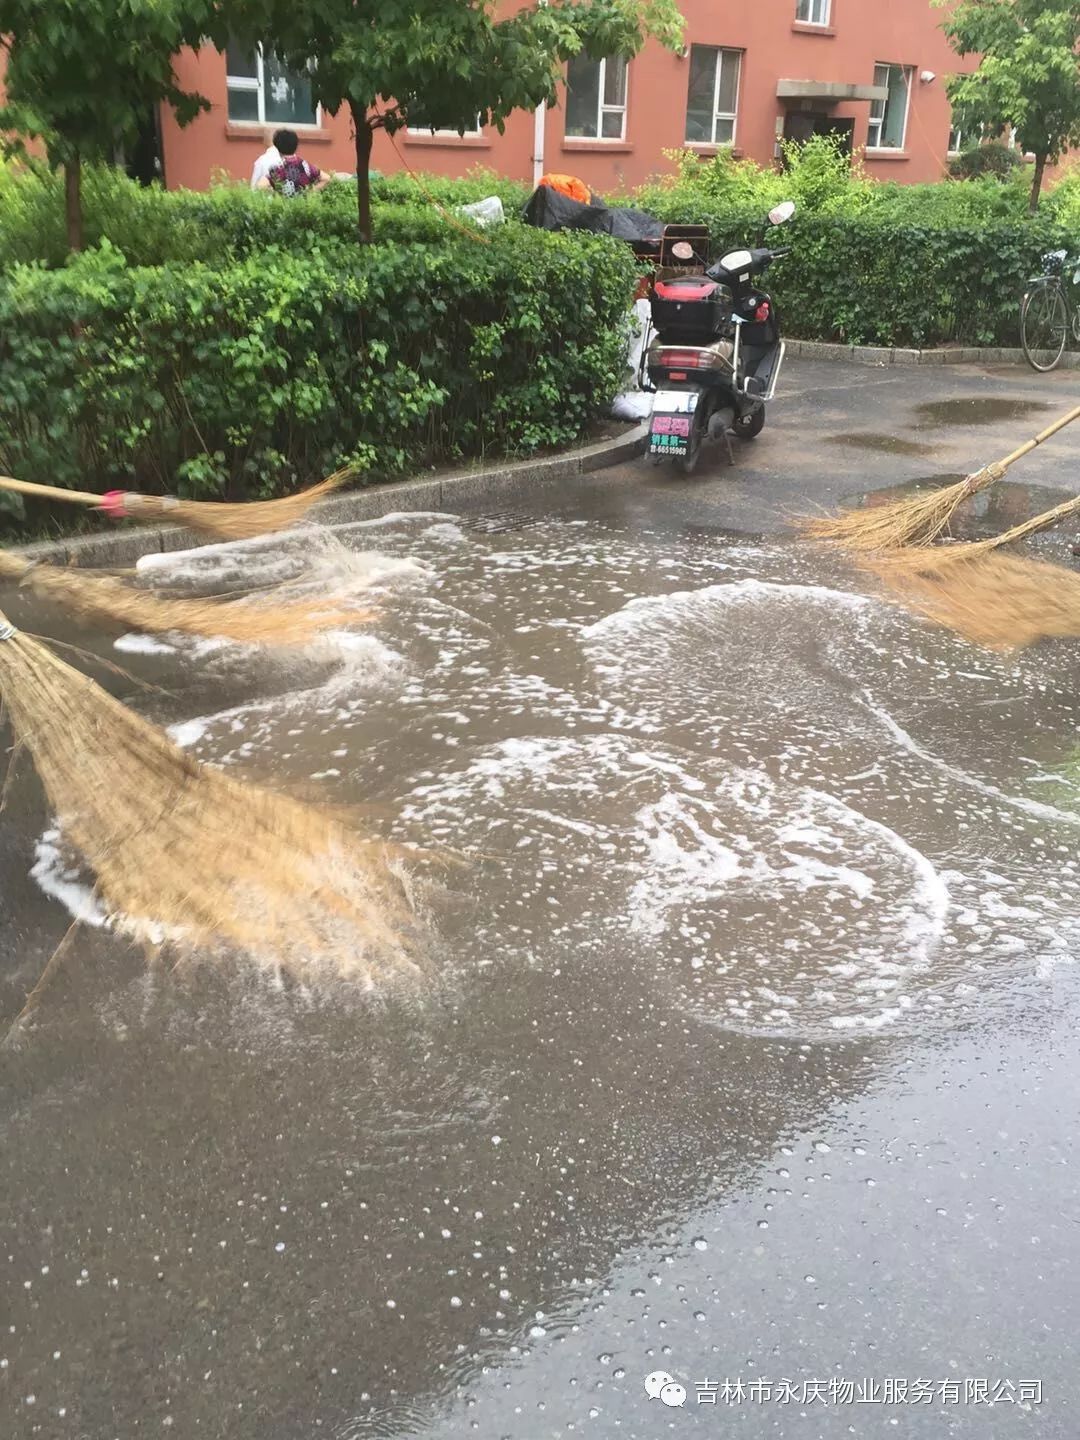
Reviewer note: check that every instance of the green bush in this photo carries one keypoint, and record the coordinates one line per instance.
(823, 181)
(877, 280)
(152, 226)
(873, 282)
(1063, 202)
(877, 263)
(993, 158)
(250, 377)
(478, 184)
(817, 175)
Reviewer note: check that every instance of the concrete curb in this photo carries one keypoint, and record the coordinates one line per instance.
(896, 355)
(440, 492)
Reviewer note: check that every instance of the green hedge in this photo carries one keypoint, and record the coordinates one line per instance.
(873, 263)
(878, 263)
(866, 280)
(152, 226)
(253, 376)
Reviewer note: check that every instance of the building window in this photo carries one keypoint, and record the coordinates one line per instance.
(956, 140)
(263, 91)
(596, 99)
(888, 118)
(470, 131)
(712, 100)
(812, 12)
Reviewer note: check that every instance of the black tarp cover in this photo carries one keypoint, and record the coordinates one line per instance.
(550, 209)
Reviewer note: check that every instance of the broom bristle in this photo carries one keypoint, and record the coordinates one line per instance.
(1004, 602)
(917, 521)
(233, 521)
(183, 846)
(110, 600)
(920, 561)
(944, 558)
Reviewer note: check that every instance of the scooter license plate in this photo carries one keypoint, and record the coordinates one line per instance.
(669, 435)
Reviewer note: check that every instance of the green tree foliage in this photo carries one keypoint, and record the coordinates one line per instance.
(1029, 76)
(442, 63)
(993, 157)
(81, 74)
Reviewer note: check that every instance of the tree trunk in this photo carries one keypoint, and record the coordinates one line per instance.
(73, 201)
(363, 138)
(1036, 184)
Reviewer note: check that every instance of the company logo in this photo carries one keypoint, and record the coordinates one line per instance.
(665, 1388)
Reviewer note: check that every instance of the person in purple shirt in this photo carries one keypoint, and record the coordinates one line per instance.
(292, 175)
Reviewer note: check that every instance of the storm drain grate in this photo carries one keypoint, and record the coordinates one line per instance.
(499, 522)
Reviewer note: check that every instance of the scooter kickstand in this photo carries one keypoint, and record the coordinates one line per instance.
(730, 451)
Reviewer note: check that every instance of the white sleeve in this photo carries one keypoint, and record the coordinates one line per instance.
(263, 165)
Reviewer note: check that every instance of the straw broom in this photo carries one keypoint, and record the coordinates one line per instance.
(183, 846)
(924, 518)
(1002, 601)
(106, 599)
(922, 561)
(224, 520)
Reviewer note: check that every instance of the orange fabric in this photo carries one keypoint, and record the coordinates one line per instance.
(569, 185)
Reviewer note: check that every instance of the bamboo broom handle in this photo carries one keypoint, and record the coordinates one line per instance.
(51, 492)
(1032, 526)
(1029, 445)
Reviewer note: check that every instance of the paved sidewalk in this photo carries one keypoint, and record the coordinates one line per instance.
(837, 431)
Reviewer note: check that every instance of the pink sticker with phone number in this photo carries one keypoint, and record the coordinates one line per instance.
(671, 425)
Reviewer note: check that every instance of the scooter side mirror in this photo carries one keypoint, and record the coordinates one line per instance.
(782, 213)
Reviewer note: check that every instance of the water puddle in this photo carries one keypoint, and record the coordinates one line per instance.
(889, 444)
(663, 750)
(977, 410)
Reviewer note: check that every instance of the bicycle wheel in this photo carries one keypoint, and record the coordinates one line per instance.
(1044, 323)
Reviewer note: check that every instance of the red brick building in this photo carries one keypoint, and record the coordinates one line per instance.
(871, 70)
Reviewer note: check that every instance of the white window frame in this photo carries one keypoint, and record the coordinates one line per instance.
(732, 115)
(257, 84)
(443, 134)
(820, 13)
(908, 71)
(956, 141)
(601, 110)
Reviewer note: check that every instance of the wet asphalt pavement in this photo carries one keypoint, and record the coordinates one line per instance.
(750, 1059)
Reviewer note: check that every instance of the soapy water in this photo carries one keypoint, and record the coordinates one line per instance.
(783, 803)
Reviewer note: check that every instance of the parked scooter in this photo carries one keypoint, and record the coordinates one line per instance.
(712, 352)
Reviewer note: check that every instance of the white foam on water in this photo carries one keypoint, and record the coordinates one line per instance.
(770, 908)
(136, 644)
(679, 603)
(687, 863)
(907, 742)
(361, 656)
(930, 908)
(227, 566)
(397, 517)
(62, 881)
(363, 663)
(188, 733)
(376, 568)
(725, 872)
(245, 556)
(750, 842)
(310, 561)
(444, 530)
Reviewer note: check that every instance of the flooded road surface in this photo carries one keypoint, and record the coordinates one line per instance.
(750, 1061)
